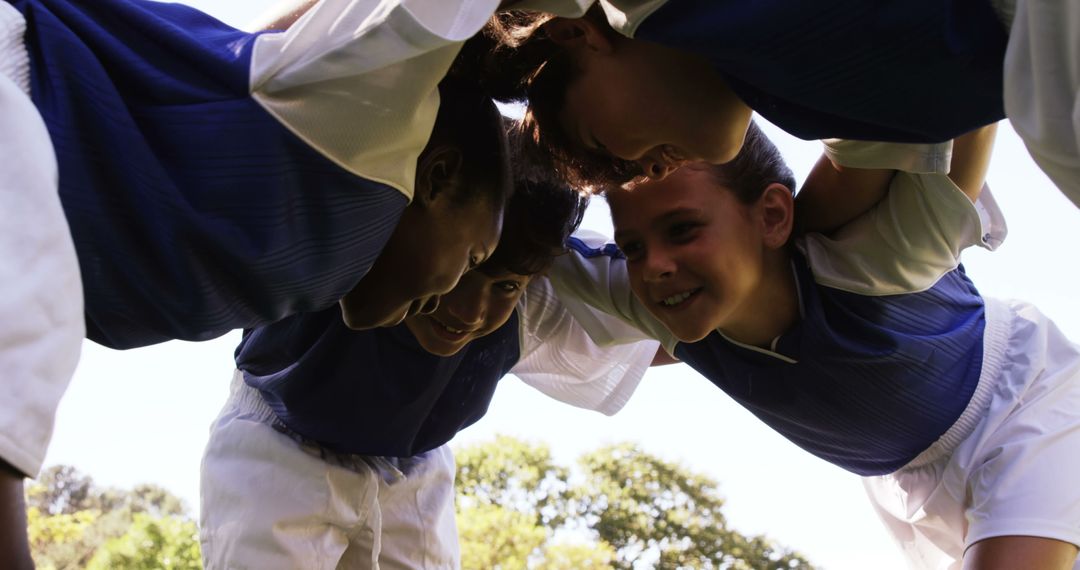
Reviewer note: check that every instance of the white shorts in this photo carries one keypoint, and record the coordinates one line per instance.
(1042, 86)
(269, 501)
(1017, 473)
(41, 303)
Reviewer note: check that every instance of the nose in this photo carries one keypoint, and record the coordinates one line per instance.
(430, 306)
(469, 310)
(657, 266)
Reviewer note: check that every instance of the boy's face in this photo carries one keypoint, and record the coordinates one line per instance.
(694, 253)
(652, 105)
(479, 305)
(432, 246)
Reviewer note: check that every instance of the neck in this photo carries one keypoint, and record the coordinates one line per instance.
(773, 310)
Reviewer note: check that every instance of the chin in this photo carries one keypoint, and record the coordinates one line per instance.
(689, 332)
(358, 319)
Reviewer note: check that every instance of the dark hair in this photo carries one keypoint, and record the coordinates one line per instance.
(539, 218)
(516, 61)
(469, 121)
(758, 164)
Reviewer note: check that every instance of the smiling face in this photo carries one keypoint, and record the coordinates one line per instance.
(477, 306)
(698, 258)
(433, 245)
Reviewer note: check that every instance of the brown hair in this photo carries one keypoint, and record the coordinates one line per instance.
(758, 164)
(516, 61)
(539, 218)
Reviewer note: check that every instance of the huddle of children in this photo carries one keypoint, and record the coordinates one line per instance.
(346, 191)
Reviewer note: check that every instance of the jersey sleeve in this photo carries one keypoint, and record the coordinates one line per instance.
(358, 81)
(41, 310)
(593, 275)
(906, 157)
(908, 240)
(562, 360)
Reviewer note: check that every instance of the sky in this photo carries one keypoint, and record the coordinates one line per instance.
(143, 415)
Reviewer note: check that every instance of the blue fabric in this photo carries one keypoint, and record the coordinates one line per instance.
(877, 379)
(889, 70)
(193, 211)
(372, 392)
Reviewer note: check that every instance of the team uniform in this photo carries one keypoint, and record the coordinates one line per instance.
(922, 71)
(959, 411)
(211, 179)
(332, 448)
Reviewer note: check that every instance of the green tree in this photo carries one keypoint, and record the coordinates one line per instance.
(577, 556)
(515, 475)
(152, 543)
(646, 507)
(70, 520)
(497, 538)
(629, 507)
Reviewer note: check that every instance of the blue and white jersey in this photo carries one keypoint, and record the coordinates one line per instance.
(896, 70)
(892, 352)
(215, 179)
(377, 392)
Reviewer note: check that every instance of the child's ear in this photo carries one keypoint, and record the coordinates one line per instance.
(578, 33)
(438, 175)
(777, 215)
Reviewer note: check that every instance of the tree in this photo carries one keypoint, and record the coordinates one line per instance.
(72, 523)
(628, 509)
(152, 543)
(649, 508)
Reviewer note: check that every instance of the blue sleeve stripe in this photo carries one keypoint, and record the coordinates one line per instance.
(585, 250)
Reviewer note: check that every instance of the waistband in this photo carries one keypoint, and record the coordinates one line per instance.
(995, 343)
(250, 403)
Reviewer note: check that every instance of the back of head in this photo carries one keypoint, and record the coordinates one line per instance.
(758, 164)
(539, 218)
(469, 121)
(516, 61)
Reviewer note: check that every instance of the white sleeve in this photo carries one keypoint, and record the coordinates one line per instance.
(593, 274)
(908, 240)
(41, 309)
(559, 358)
(358, 80)
(924, 158)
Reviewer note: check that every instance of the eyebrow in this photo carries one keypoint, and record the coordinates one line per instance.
(661, 219)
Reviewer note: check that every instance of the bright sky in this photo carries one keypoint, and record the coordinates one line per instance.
(143, 415)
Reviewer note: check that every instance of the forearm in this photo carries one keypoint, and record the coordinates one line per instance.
(14, 546)
(971, 159)
(833, 195)
(282, 15)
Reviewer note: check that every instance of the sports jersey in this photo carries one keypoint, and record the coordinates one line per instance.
(211, 178)
(377, 392)
(894, 350)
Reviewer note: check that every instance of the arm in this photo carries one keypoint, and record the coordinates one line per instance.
(853, 176)
(14, 547)
(971, 159)
(833, 195)
(663, 358)
(282, 15)
(561, 358)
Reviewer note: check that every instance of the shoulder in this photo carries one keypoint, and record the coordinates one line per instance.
(906, 242)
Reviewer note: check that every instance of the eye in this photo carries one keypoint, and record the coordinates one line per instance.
(682, 231)
(633, 250)
(508, 287)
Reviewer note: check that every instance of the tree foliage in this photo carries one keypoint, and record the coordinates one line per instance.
(633, 509)
(73, 523)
